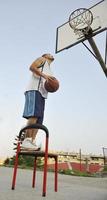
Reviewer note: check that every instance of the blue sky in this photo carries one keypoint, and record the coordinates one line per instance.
(76, 114)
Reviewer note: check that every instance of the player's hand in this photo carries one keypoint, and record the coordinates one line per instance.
(47, 77)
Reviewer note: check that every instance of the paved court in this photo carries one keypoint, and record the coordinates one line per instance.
(70, 187)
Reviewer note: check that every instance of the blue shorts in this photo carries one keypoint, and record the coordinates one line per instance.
(34, 105)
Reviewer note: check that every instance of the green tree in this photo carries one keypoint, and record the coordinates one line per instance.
(6, 162)
(27, 161)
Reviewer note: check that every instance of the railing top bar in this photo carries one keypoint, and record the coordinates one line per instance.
(34, 126)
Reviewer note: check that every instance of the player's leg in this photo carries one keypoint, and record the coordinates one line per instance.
(33, 112)
(31, 133)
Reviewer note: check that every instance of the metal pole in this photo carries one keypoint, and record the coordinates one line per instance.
(80, 161)
(34, 173)
(98, 55)
(104, 156)
(56, 174)
(106, 49)
(15, 166)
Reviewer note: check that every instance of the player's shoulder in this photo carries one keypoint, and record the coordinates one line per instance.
(39, 60)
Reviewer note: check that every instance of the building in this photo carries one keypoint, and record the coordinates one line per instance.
(77, 161)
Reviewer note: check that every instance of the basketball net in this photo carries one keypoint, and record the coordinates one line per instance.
(80, 21)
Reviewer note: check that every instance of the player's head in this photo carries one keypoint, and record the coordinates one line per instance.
(48, 56)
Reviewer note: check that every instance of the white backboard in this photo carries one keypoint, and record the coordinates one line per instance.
(65, 36)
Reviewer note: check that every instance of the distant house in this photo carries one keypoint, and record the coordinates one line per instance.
(75, 161)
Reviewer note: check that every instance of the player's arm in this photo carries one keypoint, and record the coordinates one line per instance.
(35, 67)
(36, 70)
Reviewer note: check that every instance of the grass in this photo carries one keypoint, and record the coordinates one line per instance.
(76, 173)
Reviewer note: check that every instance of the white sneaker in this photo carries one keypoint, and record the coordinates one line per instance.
(28, 145)
(36, 145)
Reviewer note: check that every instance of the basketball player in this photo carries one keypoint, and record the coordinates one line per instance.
(35, 96)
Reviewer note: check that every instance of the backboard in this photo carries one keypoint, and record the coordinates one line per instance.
(65, 36)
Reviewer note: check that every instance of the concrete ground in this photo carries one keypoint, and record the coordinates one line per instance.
(69, 187)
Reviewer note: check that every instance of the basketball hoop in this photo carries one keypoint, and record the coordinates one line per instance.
(80, 21)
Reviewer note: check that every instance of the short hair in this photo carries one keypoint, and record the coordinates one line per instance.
(44, 54)
(48, 56)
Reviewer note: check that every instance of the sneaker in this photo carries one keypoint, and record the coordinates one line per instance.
(37, 146)
(28, 145)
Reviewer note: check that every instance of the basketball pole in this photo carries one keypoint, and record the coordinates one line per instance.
(98, 55)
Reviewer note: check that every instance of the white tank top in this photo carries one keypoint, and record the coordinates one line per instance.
(37, 83)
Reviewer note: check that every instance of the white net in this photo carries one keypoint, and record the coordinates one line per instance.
(80, 21)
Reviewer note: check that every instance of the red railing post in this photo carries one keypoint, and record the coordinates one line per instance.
(15, 166)
(56, 174)
(34, 173)
(45, 166)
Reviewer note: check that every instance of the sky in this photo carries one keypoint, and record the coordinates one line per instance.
(76, 114)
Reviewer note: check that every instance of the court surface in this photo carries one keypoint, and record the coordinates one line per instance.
(69, 187)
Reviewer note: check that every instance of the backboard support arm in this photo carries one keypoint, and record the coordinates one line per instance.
(98, 55)
(89, 50)
(106, 49)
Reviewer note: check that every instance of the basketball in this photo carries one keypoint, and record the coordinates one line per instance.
(52, 85)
